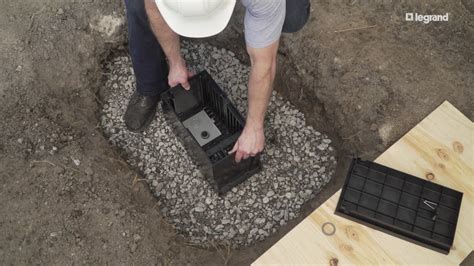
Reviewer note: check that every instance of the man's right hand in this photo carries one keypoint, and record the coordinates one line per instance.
(179, 74)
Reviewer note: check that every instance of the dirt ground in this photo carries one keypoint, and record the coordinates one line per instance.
(67, 196)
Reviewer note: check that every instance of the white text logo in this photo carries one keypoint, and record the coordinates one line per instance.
(426, 18)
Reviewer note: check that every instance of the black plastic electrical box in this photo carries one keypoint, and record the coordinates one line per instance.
(208, 125)
(400, 204)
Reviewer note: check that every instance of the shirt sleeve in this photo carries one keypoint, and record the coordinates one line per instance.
(264, 22)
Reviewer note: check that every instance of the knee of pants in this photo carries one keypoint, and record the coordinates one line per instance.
(297, 14)
(136, 8)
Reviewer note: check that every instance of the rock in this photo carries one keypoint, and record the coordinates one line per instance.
(278, 215)
(89, 171)
(268, 226)
(136, 237)
(322, 146)
(253, 231)
(107, 25)
(77, 162)
(199, 209)
(374, 127)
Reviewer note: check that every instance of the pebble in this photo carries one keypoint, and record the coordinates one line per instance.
(89, 171)
(77, 162)
(373, 127)
(136, 237)
(293, 165)
(199, 209)
(322, 146)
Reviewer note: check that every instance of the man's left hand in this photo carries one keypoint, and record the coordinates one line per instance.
(250, 143)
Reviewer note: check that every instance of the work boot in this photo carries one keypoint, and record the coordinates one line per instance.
(140, 111)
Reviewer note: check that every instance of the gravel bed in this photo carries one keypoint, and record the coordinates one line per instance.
(298, 160)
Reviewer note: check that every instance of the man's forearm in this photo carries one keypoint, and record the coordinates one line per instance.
(260, 85)
(260, 90)
(167, 38)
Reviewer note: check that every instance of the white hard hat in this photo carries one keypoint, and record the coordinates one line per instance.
(196, 18)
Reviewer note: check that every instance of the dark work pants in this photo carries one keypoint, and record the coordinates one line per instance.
(148, 58)
(297, 14)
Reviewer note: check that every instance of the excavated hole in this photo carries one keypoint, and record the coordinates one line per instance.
(298, 160)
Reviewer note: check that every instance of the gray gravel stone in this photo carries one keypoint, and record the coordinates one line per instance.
(297, 163)
(199, 209)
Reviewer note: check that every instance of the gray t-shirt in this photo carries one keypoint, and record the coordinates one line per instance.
(263, 21)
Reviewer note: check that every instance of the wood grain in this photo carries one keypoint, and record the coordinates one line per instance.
(440, 149)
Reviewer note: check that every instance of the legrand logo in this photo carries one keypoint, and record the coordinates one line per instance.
(426, 18)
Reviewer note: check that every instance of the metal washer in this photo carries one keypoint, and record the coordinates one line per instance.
(325, 231)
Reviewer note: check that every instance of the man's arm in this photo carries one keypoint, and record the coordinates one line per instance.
(170, 44)
(262, 75)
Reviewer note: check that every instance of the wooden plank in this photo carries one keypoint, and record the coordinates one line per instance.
(439, 147)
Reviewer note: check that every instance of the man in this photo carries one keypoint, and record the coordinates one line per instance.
(154, 27)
